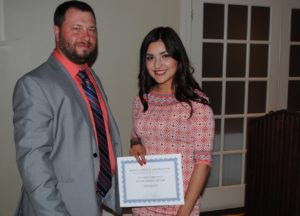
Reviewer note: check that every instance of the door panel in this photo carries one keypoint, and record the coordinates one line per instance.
(231, 46)
(293, 102)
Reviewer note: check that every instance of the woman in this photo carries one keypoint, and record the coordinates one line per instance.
(172, 115)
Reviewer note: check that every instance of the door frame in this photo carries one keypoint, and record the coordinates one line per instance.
(277, 82)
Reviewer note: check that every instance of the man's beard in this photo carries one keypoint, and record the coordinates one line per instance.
(70, 52)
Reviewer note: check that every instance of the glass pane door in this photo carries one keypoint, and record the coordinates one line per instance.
(231, 42)
(293, 102)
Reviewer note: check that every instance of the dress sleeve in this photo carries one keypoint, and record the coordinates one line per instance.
(203, 129)
(136, 109)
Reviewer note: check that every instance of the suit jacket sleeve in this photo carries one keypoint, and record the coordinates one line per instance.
(33, 123)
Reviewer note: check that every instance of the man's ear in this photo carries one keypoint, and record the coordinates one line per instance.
(56, 32)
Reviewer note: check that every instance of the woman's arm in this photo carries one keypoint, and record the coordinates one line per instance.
(195, 187)
(136, 147)
(202, 125)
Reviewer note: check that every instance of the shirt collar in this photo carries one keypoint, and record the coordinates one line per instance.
(71, 67)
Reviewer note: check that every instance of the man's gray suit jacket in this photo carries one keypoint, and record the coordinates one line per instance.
(56, 151)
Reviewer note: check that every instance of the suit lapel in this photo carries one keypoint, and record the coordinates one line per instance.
(70, 85)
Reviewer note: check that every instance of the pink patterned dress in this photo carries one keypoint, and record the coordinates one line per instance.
(165, 128)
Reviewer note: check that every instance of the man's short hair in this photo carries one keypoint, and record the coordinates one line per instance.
(60, 12)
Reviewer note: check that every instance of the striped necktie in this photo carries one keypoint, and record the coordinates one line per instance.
(105, 176)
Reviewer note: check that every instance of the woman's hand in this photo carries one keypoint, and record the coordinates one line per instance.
(138, 151)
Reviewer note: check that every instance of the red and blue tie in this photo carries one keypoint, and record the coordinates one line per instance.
(105, 176)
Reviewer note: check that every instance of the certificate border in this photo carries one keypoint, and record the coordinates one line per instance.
(178, 199)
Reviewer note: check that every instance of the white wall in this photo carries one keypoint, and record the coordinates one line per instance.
(29, 40)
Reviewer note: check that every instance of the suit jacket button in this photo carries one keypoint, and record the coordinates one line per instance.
(95, 155)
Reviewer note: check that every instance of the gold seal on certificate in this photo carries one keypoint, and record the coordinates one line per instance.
(159, 182)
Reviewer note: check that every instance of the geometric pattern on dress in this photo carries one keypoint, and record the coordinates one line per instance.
(167, 128)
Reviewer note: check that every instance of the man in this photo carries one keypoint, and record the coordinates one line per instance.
(66, 137)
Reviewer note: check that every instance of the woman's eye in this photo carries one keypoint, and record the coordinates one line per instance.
(165, 55)
(149, 58)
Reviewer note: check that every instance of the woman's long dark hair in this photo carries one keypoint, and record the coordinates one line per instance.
(184, 84)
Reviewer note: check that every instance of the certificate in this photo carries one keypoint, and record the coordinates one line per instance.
(158, 182)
